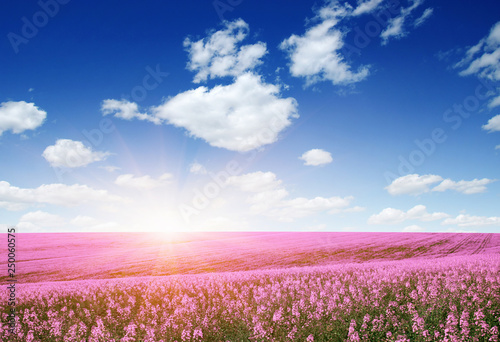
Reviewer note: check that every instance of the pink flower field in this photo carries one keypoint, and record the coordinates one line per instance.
(256, 287)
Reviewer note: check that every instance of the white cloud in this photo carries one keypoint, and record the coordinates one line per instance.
(91, 224)
(367, 6)
(412, 184)
(426, 15)
(302, 207)
(143, 183)
(465, 220)
(495, 102)
(42, 219)
(11, 206)
(20, 116)
(394, 29)
(466, 187)
(239, 117)
(264, 202)
(415, 184)
(269, 198)
(316, 54)
(483, 59)
(126, 110)
(395, 216)
(15, 198)
(497, 147)
(396, 26)
(218, 55)
(198, 169)
(255, 182)
(316, 157)
(70, 153)
(493, 124)
(28, 227)
(413, 228)
(69, 195)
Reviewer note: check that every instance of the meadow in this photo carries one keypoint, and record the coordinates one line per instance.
(257, 287)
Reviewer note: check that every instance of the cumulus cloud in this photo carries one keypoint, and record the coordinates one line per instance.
(465, 220)
(493, 124)
(466, 187)
(241, 116)
(255, 182)
(91, 224)
(415, 184)
(198, 169)
(316, 157)
(395, 216)
(20, 116)
(70, 153)
(218, 55)
(144, 182)
(12, 206)
(15, 198)
(412, 184)
(396, 27)
(302, 207)
(270, 198)
(316, 55)
(367, 6)
(42, 219)
(126, 110)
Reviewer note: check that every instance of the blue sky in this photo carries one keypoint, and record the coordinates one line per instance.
(369, 115)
